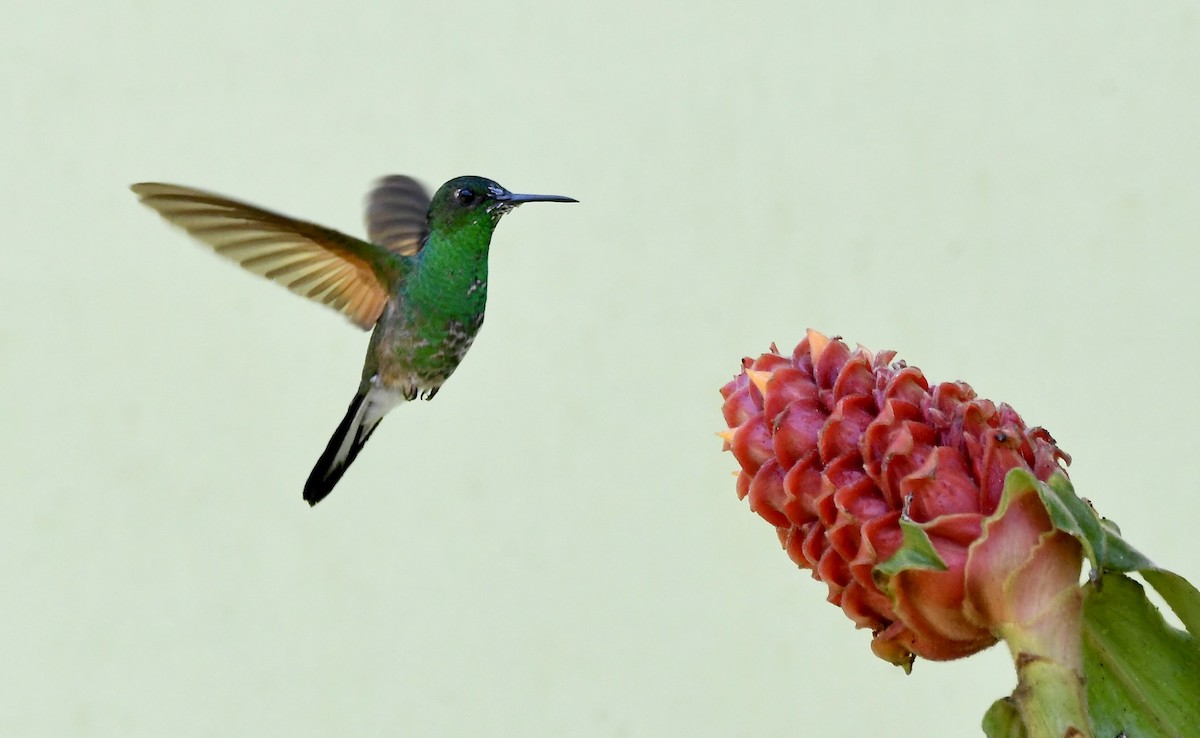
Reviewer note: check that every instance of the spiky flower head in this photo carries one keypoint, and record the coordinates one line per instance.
(850, 454)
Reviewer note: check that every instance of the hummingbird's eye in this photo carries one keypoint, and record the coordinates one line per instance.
(464, 196)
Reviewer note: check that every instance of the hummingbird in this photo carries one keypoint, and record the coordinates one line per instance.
(419, 281)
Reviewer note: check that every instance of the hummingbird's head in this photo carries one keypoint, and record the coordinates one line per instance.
(471, 202)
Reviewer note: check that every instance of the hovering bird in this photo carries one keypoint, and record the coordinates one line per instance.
(420, 282)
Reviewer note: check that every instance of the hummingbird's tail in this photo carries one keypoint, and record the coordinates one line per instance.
(366, 410)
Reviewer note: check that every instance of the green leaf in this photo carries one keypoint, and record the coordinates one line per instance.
(915, 552)
(1101, 539)
(1109, 552)
(1180, 595)
(1143, 676)
(1003, 721)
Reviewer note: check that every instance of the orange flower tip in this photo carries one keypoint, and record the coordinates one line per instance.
(727, 435)
(817, 341)
(760, 379)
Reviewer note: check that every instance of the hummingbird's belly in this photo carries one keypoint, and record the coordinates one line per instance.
(422, 360)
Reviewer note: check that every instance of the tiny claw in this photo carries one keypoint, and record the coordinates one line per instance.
(760, 379)
(817, 341)
(727, 439)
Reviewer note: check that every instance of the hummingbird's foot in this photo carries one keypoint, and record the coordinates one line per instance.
(429, 393)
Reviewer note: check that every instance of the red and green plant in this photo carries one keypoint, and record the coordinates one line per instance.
(942, 523)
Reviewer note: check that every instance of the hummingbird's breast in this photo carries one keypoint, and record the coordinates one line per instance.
(418, 343)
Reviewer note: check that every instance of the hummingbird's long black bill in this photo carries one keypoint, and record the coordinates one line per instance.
(515, 199)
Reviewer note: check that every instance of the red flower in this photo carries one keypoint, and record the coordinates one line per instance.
(838, 446)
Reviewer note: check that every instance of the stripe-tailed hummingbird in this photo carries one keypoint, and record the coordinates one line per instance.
(420, 281)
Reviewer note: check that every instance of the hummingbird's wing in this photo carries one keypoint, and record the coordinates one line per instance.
(398, 214)
(311, 260)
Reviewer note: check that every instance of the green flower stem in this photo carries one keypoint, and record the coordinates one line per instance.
(1050, 694)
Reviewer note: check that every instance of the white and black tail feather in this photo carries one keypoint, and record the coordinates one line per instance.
(366, 410)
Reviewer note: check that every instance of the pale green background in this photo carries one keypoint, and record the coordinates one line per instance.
(1009, 196)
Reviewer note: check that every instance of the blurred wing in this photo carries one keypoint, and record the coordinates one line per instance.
(398, 215)
(310, 260)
